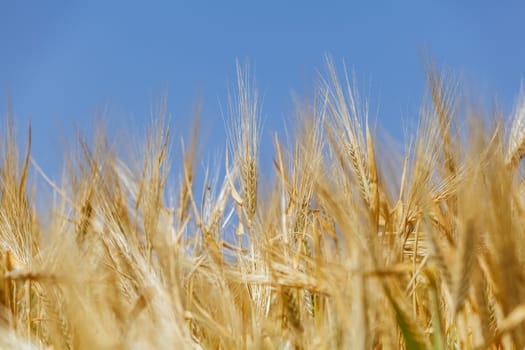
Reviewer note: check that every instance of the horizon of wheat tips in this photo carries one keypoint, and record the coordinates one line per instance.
(346, 242)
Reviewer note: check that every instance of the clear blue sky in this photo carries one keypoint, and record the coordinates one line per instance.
(62, 61)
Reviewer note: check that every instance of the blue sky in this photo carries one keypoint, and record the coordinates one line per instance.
(63, 61)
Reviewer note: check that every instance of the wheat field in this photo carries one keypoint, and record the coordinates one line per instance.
(344, 243)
